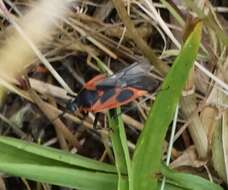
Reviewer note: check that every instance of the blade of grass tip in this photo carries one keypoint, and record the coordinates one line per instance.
(120, 148)
(171, 141)
(169, 34)
(209, 19)
(148, 153)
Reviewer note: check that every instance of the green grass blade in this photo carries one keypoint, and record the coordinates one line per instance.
(67, 177)
(189, 181)
(17, 162)
(120, 147)
(57, 155)
(147, 156)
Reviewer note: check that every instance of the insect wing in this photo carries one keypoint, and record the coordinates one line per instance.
(136, 75)
(118, 79)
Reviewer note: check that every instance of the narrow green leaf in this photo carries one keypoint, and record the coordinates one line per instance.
(147, 156)
(189, 181)
(17, 162)
(120, 147)
(73, 178)
(57, 155)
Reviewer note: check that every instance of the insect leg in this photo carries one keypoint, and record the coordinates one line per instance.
(96, 120)
(71, 95)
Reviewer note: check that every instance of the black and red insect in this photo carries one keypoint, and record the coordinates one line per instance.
(102, 93)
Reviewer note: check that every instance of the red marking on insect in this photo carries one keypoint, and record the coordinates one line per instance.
(103, 93)
(40, 69)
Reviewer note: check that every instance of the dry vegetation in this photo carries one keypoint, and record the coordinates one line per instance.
(58, 45)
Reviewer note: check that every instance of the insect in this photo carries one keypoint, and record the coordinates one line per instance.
(102, 93)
